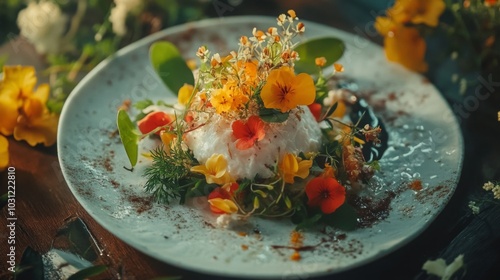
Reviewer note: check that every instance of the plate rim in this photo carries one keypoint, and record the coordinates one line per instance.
(239, 20)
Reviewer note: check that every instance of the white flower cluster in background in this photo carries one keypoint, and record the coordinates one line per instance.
(494, 188)
(119, 14)
(43, 25)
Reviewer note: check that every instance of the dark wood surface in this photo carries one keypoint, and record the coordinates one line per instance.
(44, 202)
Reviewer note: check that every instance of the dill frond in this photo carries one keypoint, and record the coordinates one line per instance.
(169, 175)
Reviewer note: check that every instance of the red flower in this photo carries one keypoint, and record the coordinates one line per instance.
(248, 133)
(154, 120)
(315, 109)
(326, 193)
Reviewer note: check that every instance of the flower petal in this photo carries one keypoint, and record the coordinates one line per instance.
(184, 94)
(23, 76)
(4, 153)
(225, 205)
(42, 129)
(303, 170)
(154, 120)
(304, 88)
(8, 114)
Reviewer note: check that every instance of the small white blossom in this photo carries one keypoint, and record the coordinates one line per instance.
(333, 96)
(488, 186)
(119, 14)
(496, 192)
(439, 268)
(42, 24)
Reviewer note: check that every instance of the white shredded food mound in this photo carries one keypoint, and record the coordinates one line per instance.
(300, 133)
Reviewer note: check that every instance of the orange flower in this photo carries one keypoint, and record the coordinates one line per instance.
(154, 120)
(248, 133)
(4, 152)
(220, 199)
(292, 166)
(417, 11)
(402, 44)
(489, 3)
(285, 91)
(215, 170)
(326, 193)
(320, 61)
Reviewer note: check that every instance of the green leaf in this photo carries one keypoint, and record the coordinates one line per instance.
(129, 135)
(88, 272)
(330, 48)
(143, 104)
(170, 66)
(272, 115)
(330, 110)
(344, 218)
(309, 222)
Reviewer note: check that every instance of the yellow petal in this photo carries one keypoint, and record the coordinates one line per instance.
(290, 164)
(184, 94)
(226, 205)
(304, 88)
(406, 47)
(303, 170)
(199, 169)
(8, 114)
(384, 25)
(289, 167)
(4, 153)
(23, 76)
(38, 130)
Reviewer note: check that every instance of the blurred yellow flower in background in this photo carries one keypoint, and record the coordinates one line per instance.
(417, 11)
(402, 41)
(23, 110)
(4, 152)
(402, 44)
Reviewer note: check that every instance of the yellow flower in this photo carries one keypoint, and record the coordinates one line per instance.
(37, 124)
(221, 99)
(9, 111)
(292, 166)
(285, 91)
(23, 112)
(417, 11)
(4, 152)
(402, 44)
(184, 94)
(215, 170)
(228, 98)
(223, 204)
(21, 80)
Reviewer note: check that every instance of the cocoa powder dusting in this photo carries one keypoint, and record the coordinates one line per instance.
(372, 211)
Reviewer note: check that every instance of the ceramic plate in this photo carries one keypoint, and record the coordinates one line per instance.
(425, 144)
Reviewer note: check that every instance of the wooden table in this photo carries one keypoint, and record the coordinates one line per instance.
(44, 203)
